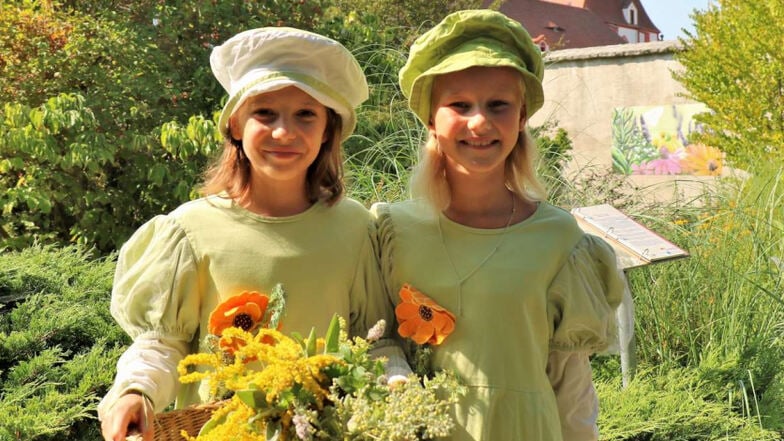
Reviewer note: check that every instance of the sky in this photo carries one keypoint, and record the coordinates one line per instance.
(672, 15)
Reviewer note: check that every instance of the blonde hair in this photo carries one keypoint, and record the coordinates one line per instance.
(429, 182)
(230, 172)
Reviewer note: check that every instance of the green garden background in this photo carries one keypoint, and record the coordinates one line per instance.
(108, 118)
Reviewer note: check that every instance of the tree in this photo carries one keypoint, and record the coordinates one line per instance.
(734, 64)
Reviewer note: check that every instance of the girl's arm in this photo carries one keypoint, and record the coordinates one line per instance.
(578, 406)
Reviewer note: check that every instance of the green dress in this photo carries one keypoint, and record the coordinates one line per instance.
(176, 268)
(547, 286)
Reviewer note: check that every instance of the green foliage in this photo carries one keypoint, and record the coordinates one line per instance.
(738, 75)
(401, 21)
(52, 51)
(555, 149)
(64, 180)
(58, 343)
(714, 318)
(80, 133)
(673, 403)
(729, 289)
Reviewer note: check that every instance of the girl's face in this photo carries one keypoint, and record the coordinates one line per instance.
(281, 133)
(477, 116)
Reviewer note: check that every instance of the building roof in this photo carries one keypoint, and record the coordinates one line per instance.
(612, 12)
(575, 23)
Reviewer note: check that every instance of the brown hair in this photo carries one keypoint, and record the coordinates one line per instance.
(230, 172)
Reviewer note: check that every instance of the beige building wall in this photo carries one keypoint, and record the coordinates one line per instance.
(583, 86)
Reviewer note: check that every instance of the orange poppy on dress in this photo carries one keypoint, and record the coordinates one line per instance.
(243, 311)
(422, 319)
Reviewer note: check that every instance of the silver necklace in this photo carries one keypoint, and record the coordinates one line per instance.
(461, 280)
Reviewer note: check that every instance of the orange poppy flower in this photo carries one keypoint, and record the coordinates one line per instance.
(243, 311)
(422, 319)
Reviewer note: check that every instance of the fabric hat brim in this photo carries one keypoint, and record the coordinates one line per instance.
(471, 38)
(474, 54)
(271, 58)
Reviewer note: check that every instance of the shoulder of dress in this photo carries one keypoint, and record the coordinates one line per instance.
(559, 217)
(350, 205)
(199, 205)
(411, 210)
(348, 211)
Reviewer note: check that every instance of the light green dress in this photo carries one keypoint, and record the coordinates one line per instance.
(547, 287)
(176, 268)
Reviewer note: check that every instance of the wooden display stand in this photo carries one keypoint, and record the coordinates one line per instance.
(635, 246)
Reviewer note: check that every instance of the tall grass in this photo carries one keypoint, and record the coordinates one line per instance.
(715, 319)
(727, 296)
(381, 153)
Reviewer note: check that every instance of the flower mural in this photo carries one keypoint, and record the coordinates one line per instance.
(656, 141)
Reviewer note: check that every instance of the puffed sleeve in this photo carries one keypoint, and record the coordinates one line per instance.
(392, 346)
(155, 291)
(583, 297)
(383, 244)
(367, 293)
(154, 299)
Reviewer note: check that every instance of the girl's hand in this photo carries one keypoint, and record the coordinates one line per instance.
(132, 414)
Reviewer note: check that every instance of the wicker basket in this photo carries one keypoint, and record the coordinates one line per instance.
(168, 425)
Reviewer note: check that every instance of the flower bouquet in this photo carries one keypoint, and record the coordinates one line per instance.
(273, 386)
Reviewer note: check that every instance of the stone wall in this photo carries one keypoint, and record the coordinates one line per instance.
(583, 86)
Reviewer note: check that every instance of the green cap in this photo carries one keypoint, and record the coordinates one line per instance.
(466, 39)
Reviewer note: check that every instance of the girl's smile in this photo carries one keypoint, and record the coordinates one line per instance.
(477, 117)
(281, 133)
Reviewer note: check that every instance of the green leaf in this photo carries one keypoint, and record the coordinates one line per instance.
(332, 339)
(211, 424)
(254, 398)
(310, 350)
(298, 338)
(620, 163)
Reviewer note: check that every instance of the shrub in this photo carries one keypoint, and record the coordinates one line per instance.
(739, 78)
(64, 180)
(58, 343)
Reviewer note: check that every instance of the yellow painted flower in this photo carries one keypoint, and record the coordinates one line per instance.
(422, 319)
(667, 140)
(703, 160)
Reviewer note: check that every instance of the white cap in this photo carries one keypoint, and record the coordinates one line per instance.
(267, 59)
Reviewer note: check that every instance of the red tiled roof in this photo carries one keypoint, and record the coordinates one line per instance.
(562, 26)
(575, 3)
(612, 12)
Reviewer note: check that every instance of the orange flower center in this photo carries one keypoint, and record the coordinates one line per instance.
(243, 321)
(425, 313)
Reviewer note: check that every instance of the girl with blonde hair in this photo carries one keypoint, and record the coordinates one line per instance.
(527, 295)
